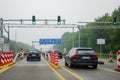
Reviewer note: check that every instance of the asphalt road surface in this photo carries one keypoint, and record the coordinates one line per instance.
(103, 72)
(29, 70)
(41, 70)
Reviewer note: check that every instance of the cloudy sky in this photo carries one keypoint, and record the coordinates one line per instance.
(72, 11)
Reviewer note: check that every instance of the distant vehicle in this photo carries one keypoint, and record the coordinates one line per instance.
(81, 56)
(60, 55)
(34, 55)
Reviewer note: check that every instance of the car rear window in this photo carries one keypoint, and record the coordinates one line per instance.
(85, 51)
(35, 52)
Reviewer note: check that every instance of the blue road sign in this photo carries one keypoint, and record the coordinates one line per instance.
(50, 41)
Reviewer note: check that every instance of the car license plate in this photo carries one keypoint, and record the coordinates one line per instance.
(33, 55)
(85, 57)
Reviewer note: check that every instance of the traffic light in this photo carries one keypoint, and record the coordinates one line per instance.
(33, 20)
(58, 20)
(114, 20)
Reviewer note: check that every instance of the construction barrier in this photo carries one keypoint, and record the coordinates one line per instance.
(6, 59)
(54, 59)
(118, 61)
(21, 53)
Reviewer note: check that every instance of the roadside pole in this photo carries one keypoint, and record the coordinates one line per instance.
(100, 42)
(73, 37)
(1, 32)
(100, 51)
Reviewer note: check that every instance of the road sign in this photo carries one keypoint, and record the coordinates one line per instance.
(1, 40)
(100, 41)
(50, 41)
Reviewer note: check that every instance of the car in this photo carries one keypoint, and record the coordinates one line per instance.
(81, 56)
(60, 55)
(34, 55)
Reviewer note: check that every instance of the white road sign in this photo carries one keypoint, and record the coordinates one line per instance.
(100, 41)
(1, 40)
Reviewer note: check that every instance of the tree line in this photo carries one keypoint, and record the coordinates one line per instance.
(88, 36)
(17, 46)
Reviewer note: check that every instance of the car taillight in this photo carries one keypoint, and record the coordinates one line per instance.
(75, 55)
(27, 54)
(95, 56)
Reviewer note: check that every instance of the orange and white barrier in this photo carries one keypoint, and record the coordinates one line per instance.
(118, 61)
(6, 59)
(54, 59)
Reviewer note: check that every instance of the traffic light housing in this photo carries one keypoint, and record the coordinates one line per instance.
(59, 20)
(115, 20)
(33, 20)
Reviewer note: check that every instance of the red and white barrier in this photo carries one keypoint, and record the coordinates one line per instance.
(118, 61)
(54, 59)
(6, 59)
(21, 54)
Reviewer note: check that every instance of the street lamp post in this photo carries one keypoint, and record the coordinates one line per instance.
(1, 32)
(79, 27)
(73, 37)
(79, 35)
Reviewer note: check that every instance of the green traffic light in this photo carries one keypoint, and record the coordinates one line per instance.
(58, 20)
(115, 20)
(114, 23)
(33, 20)
(58, 23)
(33, 23)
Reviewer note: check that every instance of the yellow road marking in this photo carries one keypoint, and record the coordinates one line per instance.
(8, 67)
(109, 70)
(62, 78)
(75, 75)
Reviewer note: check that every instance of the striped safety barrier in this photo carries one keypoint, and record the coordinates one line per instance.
(118, 61)
(6, 59)
(54, 59)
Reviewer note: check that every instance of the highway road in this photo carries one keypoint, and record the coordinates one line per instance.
(41, 70)
(103, 72)
(29, 70)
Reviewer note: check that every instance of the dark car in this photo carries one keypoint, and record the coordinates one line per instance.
(34, 55)
(81, 56)
(60, 55)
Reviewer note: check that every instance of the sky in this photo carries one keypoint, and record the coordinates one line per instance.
(72, 11)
